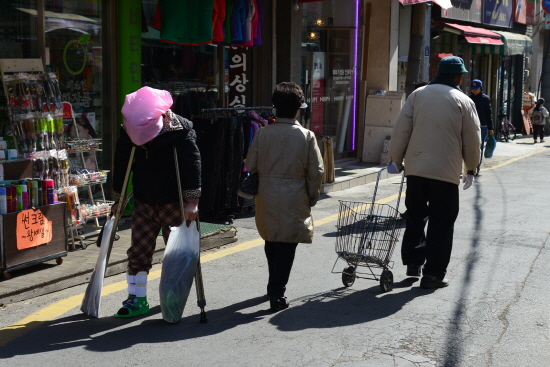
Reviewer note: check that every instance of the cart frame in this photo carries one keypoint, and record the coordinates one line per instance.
(367, 233)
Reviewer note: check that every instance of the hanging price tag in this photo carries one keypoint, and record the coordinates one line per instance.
(32, 229)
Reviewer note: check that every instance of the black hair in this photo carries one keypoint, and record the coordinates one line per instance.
(539, 104)
(287, 99)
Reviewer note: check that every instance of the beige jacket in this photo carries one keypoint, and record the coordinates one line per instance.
(436, 130)
(290, 168)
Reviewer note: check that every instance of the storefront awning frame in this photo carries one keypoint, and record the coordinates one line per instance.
(515, 44)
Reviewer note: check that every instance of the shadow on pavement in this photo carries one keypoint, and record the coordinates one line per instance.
(331, 309)
(108, 334)
(344, 307)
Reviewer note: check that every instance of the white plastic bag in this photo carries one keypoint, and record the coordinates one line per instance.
(181, 257)
(92, 297)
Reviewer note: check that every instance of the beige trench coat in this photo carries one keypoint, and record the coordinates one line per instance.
(290, 169)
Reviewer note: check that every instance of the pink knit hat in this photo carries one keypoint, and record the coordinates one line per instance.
(143, 112)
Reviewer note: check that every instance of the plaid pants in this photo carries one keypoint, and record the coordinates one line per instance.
(147, 221)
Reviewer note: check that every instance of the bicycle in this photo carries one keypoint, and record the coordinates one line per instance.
(507, 130)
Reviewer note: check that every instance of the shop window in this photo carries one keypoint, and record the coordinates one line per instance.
(74, 54)
(18, 30)
(189, 73)
(329, 57)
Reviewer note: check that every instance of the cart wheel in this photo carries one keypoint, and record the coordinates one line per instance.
(386, 281)
(348, 276)
(117, 237)
(6, 275)
(83, 245)
(59, 261)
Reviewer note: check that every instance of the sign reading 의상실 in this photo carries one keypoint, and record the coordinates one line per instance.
(32, 229)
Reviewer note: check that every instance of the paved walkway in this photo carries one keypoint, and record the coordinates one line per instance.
(78, 265)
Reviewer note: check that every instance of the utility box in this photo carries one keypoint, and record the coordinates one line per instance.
(380, 116)
(382, 110)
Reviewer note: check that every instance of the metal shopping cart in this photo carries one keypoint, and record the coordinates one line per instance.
(366, 237)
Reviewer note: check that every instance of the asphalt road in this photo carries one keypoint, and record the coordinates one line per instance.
(494, 313)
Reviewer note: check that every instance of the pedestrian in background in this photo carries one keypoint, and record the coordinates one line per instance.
(484, 112)
(290, 170)
(436, 130)
(538, 119)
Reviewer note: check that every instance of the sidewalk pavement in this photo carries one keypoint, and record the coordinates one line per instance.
(78, 265)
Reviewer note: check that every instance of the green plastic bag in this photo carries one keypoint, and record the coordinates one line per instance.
(490, 146)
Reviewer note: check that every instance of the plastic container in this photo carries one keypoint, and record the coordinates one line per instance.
(3, 201)
(50, 192)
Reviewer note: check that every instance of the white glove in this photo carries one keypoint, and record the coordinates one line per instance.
(395, 168)
(467, 180)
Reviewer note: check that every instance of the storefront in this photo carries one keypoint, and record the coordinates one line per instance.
(496, 57)
(330, 54)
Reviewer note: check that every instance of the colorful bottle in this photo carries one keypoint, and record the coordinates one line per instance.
(19, 195)
(50, 192)
(3, 201)
(25, 196)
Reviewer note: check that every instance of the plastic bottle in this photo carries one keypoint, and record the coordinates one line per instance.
(9, 199)
(44, 192)
(3, 201)
(35, 198)
(25, 196)
(19, 195)
(50, 192)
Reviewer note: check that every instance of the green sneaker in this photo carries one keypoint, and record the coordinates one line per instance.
(133, 306)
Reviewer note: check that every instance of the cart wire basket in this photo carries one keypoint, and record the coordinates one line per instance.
(366, 237)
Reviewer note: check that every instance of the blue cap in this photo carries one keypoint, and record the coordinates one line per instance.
(476, 84)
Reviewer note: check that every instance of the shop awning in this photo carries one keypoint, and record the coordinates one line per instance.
(445, 4)
(516, 44)
(474, 35)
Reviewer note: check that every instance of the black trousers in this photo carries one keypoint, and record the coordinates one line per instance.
(280, 257)
(437, 200)
(538, 130)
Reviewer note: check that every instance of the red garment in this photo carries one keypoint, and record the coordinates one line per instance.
(218, 18)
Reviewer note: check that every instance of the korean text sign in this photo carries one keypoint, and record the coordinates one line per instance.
(32, 229)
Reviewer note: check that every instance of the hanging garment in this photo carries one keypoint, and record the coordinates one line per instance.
(218, 18)
(238, 20)
(227, 21)
(186, 22)
(260, 11)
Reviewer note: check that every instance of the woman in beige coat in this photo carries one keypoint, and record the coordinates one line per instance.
(290, 169)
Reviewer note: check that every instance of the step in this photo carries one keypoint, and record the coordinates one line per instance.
(354, 174)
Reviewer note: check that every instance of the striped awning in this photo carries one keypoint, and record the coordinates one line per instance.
(454, 38)
(515, 44)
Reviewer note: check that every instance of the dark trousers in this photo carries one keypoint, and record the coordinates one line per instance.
(538, 130)
(484, 132)
(437, 200)
(280, 257)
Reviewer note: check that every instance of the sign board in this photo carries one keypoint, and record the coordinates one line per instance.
(546, 6)
(32, 229)
(547, 21)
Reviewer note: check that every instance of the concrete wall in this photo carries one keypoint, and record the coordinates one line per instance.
(288, 31)
(383, 45)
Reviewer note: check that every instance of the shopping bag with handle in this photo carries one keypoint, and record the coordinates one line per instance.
(179, 265)
(490, 146)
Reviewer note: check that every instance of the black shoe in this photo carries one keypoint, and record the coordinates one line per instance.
(414, 270)
(278, 303)
(431, 282)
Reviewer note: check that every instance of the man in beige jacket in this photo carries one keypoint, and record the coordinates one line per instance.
(436, 131)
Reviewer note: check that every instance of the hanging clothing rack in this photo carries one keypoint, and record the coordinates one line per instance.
(237, 109)
(229, 111)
